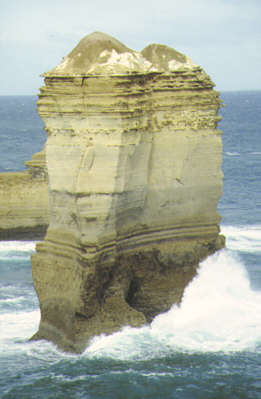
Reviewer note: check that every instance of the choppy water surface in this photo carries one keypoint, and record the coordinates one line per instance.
(210, 344)
(209, 347)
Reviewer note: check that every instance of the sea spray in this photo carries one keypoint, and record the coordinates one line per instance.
(219, 312)
(243, 238)
(39, 370)
(11, 250)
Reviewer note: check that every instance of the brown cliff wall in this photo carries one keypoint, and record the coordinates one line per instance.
(134, 167)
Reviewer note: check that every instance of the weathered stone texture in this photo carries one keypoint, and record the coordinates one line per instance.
(23, 204)
(134, 166)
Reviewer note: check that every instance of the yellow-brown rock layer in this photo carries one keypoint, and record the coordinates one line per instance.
(134, 167)
(23, 206)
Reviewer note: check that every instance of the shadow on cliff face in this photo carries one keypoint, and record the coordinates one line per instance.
(134, 166)
(157, 278)
(131, 291)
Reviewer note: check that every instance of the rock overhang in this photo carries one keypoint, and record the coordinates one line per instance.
(134, 166)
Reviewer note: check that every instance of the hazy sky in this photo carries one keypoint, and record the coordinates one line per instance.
(223, 36)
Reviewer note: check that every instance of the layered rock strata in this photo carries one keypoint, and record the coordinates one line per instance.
(24, 201)
(134, 166)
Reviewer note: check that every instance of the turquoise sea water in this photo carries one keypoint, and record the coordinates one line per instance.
(208, 348)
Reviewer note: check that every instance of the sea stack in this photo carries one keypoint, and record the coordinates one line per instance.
(134, 168)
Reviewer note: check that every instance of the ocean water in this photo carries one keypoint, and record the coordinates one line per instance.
(208, 348)
(21, 132)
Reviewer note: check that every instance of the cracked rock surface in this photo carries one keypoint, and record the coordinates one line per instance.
(134, 167)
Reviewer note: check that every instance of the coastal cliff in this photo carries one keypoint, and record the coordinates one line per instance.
(134, 168)
(24, 201)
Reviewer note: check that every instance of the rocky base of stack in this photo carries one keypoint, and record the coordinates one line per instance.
(23, 206)
(134, 169)
(101, 295)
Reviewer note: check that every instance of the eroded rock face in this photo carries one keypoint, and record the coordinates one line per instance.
(24, 201)
(134, 166)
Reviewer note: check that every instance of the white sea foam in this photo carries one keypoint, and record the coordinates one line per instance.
(16, 328)
(16, 249)
(15, 332)
(219, 312)
(13, 300)
(24, 246)
(243, 238)
(232, 154)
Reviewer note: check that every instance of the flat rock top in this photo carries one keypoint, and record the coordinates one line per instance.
(101, 54)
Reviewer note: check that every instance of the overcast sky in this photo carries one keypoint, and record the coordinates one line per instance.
(223, 36)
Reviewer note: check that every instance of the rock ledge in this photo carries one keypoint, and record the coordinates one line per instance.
(134, 168)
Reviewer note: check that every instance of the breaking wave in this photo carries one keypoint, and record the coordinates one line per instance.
(219, 312)
(243, 238)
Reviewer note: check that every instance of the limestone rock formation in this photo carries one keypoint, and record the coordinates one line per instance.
(134, 166)
(37, 166)
(24, 201)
